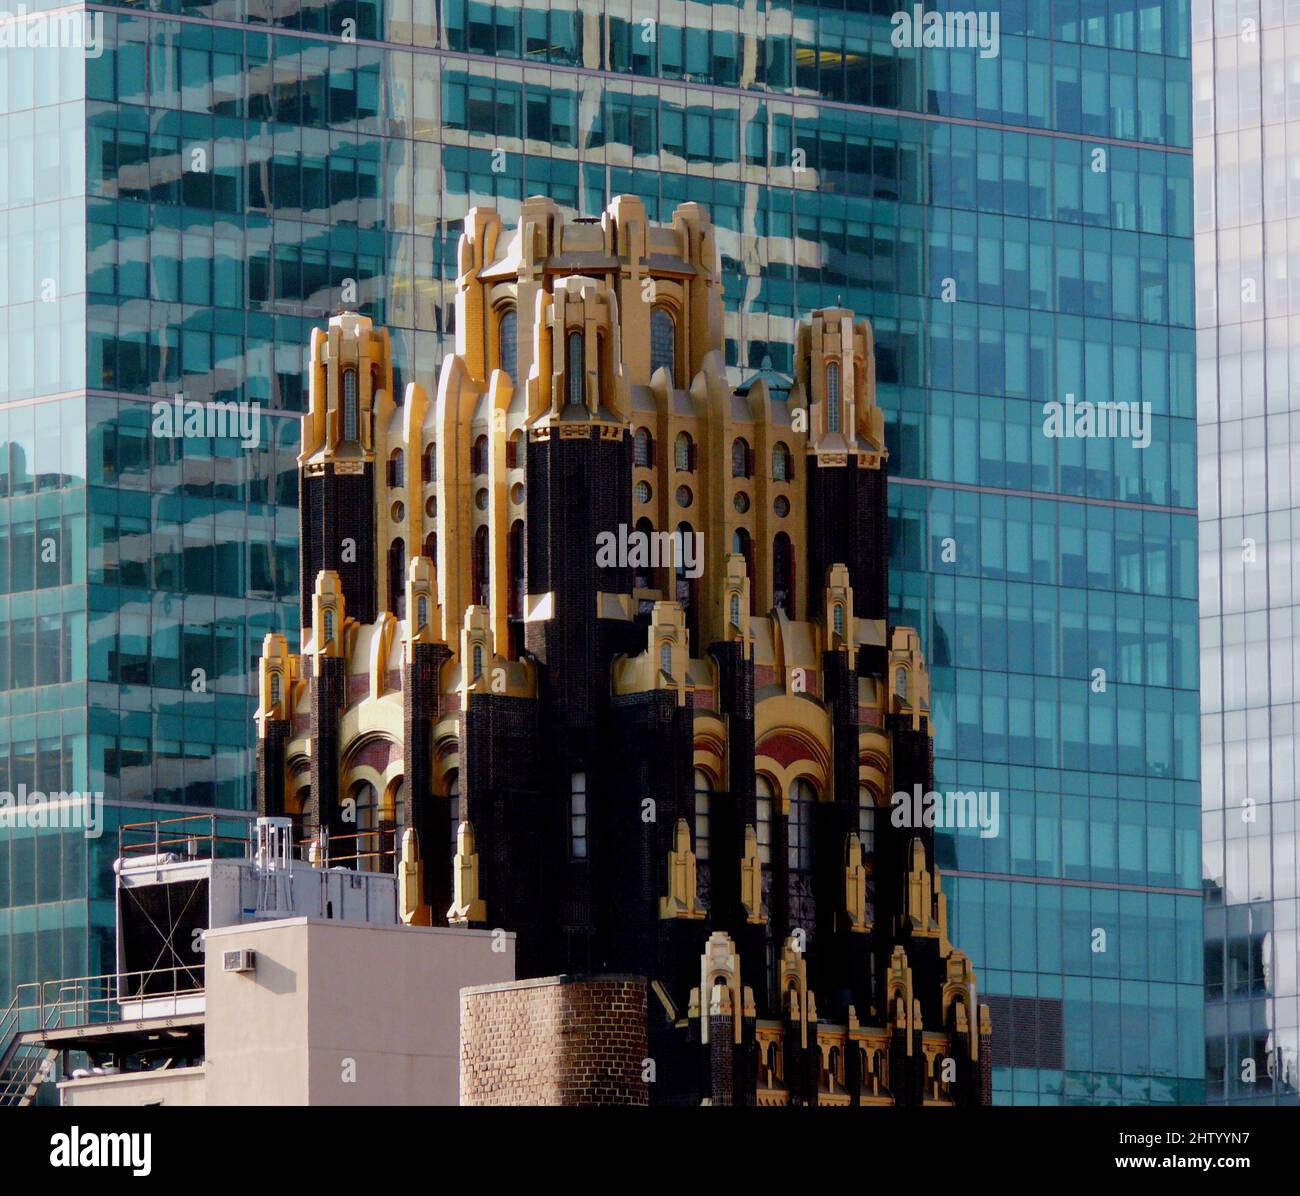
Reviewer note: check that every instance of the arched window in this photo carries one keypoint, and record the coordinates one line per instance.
(508, 336)
(682, 452)
(702, 791)
(422, 609)
(837, 619)
(513, 445)
(515, 565)
(396, 469)
(735, 609)
(479, 457)
(663, 341)
(573, 369)
(275, 689)
(397, 577)
(478, 662)
(482, 586)
(643, 448)
(350, 418)
(764, 799)
(800, 837)
(431, 547)
(833, 397)
(782, 470)
(329, 625)
(900, 684)
(866, 820)
(783, 574)
(666, 657)
(430, 460)
(578, 816)
(740, 458)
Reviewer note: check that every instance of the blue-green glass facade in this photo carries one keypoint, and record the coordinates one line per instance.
(1247, 154)
(246, 169)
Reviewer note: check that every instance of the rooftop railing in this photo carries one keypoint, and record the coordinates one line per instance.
(202, 837)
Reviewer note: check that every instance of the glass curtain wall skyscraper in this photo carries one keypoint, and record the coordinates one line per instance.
(1246, 123)
(1015, 220)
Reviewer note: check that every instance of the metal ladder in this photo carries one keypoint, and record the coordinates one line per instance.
(24, 1062)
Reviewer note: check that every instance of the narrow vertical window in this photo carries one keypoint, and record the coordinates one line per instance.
(482, 576)
(578, 816)
(740, 458)
(329, 625)
(781, 470)
(666, 657)
(682, 452)
(515, 565)
(422, 611)
(396, 469)
(663, 341)
(833, 397)
(275, 689)
(800, 837)
(508, 337)
(744, 546)
(685, 584)
(702, 791)
(641, 444)
(643, 577)
(397, 577)
(866, 820)
(838, 620)
(478, 662)
(453, 801)
(573, 369)
(366, 812)
(763, 811)
(735, 610)
(783, 574)
(350, 405)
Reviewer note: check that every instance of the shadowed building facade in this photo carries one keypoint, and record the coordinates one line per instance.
(598, 645)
